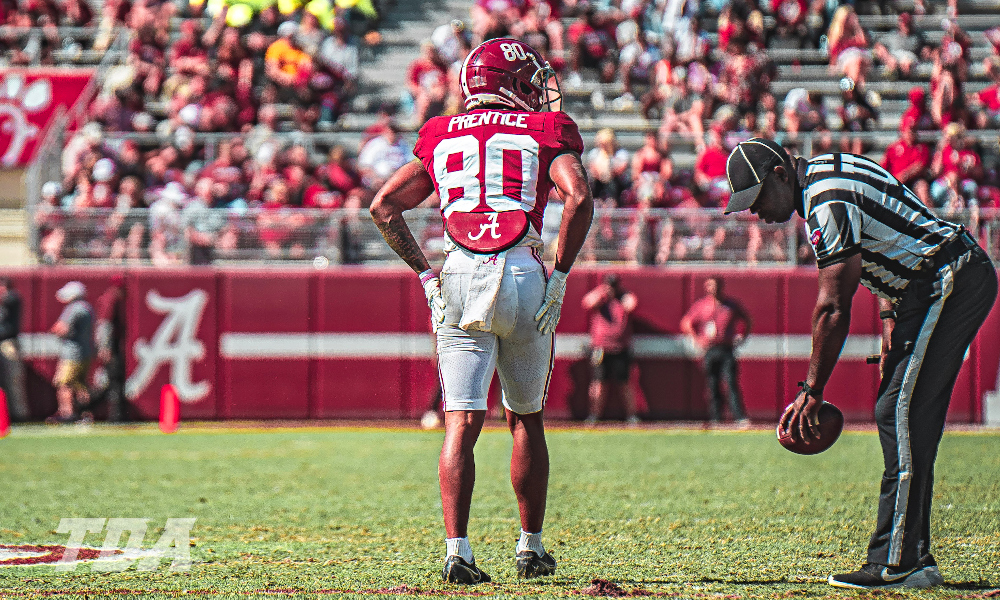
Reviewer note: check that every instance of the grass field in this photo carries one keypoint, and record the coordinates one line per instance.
(300, 512)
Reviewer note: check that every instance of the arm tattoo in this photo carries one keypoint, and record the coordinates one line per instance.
(397, 234)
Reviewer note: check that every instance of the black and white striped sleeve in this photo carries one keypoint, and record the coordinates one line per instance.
(834, 230)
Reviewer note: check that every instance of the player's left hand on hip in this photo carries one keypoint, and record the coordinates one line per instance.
(432, 290)
(548, 315)
(801, 417)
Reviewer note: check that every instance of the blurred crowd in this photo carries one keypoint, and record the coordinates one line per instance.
(257, 177)
(700, 72)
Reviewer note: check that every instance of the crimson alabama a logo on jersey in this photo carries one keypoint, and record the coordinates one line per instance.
(487, 232)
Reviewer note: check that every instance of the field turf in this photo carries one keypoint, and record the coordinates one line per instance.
(356, 512)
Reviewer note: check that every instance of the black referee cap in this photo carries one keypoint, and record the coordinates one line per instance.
(747, 166)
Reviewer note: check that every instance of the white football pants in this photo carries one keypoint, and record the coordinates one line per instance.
(514, 347)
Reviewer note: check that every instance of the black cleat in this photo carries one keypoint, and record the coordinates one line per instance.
(929, 567)
(923, 574)
(456, 570)
(530, 565)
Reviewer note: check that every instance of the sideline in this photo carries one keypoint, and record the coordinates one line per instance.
(413, 425)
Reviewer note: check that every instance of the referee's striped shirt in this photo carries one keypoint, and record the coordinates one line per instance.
(852, 205)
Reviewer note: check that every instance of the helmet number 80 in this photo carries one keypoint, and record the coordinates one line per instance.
(513, 52)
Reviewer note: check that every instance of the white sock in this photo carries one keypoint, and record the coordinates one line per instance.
(460, 547)
(530, 541)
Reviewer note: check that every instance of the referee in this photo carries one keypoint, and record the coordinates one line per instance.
(935, 287)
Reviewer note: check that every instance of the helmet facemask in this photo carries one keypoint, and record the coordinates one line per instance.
(551, 93)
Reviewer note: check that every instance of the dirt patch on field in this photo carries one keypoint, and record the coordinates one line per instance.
(610, 589)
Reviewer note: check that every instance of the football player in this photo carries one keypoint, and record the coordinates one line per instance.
(495, 307)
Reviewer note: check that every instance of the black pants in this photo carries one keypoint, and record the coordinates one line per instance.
(936, 321)
(114, 394)
(201, 255)
(720, 365)
(116, 389)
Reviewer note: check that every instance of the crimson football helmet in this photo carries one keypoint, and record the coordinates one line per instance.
(509, 72)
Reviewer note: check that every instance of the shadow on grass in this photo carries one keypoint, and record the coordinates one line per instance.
(973, 586)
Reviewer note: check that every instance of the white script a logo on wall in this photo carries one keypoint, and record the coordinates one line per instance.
(173, 342)
(16, 101)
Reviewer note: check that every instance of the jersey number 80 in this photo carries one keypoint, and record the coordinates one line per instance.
(509, 178)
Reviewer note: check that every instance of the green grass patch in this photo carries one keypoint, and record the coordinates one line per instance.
(357, 511)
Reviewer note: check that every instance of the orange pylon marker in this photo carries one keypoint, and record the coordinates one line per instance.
(4, 416)
(170, 409)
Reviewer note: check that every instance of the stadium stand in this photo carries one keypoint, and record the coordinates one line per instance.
(260, 130)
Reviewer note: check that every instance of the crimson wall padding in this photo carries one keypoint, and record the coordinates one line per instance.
(354, 342)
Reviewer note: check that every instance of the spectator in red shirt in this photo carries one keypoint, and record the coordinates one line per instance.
(278, 223)
(959, 169)
(791, 18)
(428, 83)
(917, 115)
(129, 160)
(187, 55)
(224, 169)
(338, 174)
(718, 325)
(37, 9)
(907, 159)
(735, 25)
(986, 103)
(77, 13)
(610, 307)
(50, 219)
(710, 171)
(147, 55)
(647, 162)
(849, 45)
(592, 45)
(746, 77)
(662, 82)
(954, 156)
(230, 54)
(318, 197)
(946, 84)
(297, 181)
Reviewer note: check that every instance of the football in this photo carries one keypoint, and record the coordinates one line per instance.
(831, 423)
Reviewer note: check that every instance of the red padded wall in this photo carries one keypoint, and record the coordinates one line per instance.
(328, 378)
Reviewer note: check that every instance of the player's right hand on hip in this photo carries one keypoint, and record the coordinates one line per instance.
(432, 290)
(548, 315)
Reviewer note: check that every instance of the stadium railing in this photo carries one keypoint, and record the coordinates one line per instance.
(348, 236)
